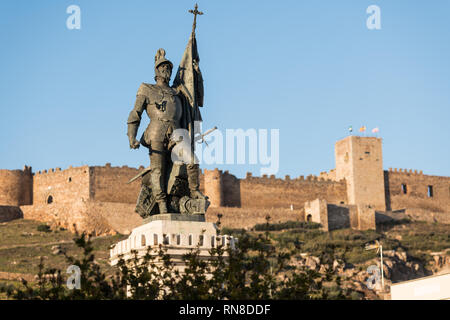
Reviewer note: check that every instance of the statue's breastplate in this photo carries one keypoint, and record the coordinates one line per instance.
(164, 109)
(165, 105)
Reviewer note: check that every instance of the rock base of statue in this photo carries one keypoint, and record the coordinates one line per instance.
(178, 199)
(177, 233)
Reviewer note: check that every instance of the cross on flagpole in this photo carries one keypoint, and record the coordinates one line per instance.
(195, 12)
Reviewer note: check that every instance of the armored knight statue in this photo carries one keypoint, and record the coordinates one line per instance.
(167, 187)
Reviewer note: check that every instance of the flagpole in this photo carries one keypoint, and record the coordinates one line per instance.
(195, 12)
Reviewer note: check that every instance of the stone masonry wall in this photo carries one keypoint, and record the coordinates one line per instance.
(317, 211)
(248, 217)
(109, 184)
(8, 213)
(338, 217)
(93, 217)
(231, 193)
(416, 193)
(16, 187)
(366, 217)
(282, 193)
(359, 160)
(61, 186)
(212, 186)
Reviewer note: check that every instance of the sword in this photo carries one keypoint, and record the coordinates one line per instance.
(200, 137)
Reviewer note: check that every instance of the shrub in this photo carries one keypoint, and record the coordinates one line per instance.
(254, 270)
(43, 228)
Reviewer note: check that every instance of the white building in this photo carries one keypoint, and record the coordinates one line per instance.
(435, 287)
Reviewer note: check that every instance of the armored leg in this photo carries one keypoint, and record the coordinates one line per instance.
(158, 166)
(194, 183)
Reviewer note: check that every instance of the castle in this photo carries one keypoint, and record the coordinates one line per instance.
(357, 193)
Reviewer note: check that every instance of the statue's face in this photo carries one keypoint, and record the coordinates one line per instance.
(165, 71)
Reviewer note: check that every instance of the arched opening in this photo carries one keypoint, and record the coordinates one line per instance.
(49, 199)
(309, 218)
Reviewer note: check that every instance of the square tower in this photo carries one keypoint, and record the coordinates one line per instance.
(359, 160)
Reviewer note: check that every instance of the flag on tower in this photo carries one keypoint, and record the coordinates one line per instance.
(362, 129)
(375, 130)
(350, 129)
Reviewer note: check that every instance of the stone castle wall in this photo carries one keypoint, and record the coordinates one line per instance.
(415, 190)
(211, 182)
(225, 190)
(101, 194)
(16, 187)
(61, 186)
(270, 192)
(109, 184)
(92, 217)
(8, 213)
(222, 188)
(232, 194)
(332, 217)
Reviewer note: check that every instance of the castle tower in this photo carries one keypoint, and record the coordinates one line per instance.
(16, 187)
(213, 187)
(359, 160)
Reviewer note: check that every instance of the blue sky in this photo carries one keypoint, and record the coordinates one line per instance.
(308, 68)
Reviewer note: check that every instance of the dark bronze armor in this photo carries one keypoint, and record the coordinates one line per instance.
(164, 107)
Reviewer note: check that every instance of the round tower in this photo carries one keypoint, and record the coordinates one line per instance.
(16, 187)
(213, 187)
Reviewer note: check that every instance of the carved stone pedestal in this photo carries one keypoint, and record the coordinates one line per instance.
(177, 233)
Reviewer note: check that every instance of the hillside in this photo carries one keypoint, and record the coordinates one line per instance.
(411, 250)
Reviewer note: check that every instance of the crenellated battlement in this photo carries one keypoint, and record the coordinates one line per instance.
(226, 190)
(287, 179)
(72, 168)
(407, 171)
(58, 170)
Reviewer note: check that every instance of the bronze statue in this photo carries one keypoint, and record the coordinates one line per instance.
(169, 187)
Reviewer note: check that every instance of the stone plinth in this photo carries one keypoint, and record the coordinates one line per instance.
(175, 217)
(175, 232)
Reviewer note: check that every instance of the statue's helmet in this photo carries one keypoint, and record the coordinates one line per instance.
(160, 58)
